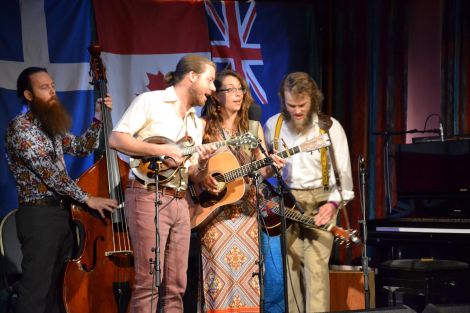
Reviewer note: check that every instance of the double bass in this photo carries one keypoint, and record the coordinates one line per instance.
(100, 278)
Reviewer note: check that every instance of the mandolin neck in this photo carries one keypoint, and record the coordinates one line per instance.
(192, 149)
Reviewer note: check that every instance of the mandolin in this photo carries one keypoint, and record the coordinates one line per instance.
(144, 172)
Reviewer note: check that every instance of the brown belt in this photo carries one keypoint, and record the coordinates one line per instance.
(43, 201)
(165, 191)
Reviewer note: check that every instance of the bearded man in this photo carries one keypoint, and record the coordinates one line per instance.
(35, 143)
(168, 113)
(311, 179)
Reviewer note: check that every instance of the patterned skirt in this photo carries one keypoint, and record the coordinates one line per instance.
(229, 248)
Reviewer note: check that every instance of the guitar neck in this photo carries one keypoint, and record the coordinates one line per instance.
(256, 165)
(304, 219)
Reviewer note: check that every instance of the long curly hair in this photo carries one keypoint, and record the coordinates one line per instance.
(300, 83)
(213, 116)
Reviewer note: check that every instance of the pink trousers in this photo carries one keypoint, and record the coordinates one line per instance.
(174, 230)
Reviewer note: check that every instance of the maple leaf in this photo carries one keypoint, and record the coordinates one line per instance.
(156, 81)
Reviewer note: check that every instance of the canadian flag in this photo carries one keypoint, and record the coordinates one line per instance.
(143, 40)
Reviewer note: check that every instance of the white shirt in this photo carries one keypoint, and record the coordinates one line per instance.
(155, 113)
(303, 170)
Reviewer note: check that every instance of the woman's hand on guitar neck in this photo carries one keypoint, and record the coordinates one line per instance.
(205, 153)
(198, 171)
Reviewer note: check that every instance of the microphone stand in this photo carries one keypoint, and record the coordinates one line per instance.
(283, 188)
(256, 176)
(364, 258)
(155, 164)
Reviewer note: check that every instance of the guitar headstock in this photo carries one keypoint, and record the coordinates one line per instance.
(316, 143)
(245, 139)
(346, 237)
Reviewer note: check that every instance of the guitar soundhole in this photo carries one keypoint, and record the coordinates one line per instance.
(207, 199)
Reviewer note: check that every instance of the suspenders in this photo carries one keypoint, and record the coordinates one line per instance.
(323, 151)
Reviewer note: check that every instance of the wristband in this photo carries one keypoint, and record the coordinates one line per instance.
(334, 203)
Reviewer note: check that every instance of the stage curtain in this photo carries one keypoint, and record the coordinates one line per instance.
(456, 67)
(362, 56)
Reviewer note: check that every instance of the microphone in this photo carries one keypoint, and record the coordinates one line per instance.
(255, 112)
(441, 131)
(362, 170)
(153, 159)
(362, 163)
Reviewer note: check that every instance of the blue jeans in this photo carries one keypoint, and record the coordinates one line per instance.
(273, 277)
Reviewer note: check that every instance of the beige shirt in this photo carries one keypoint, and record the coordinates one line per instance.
(303, 170)
(155, 113)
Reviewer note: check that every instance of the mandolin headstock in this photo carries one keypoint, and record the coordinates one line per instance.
(245, 139)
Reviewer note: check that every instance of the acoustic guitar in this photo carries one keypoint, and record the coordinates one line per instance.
(145, 173)
(270, 212)
(224, 167)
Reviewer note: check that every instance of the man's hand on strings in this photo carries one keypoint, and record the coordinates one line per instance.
(101, 204)
(325, 214)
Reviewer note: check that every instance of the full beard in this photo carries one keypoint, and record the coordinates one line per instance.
(303, 125)
(197, 101)
(54, 118)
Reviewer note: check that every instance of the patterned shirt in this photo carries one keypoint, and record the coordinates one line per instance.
(37, 161)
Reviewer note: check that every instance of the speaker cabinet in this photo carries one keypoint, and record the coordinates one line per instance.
(347, 288)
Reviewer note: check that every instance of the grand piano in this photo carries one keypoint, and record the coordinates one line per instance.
(431, 218)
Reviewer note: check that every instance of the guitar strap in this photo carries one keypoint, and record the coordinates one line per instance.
(323, 151)
(325, 178)
(277, 131)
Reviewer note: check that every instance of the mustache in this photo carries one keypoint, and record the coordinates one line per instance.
(54, 100)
